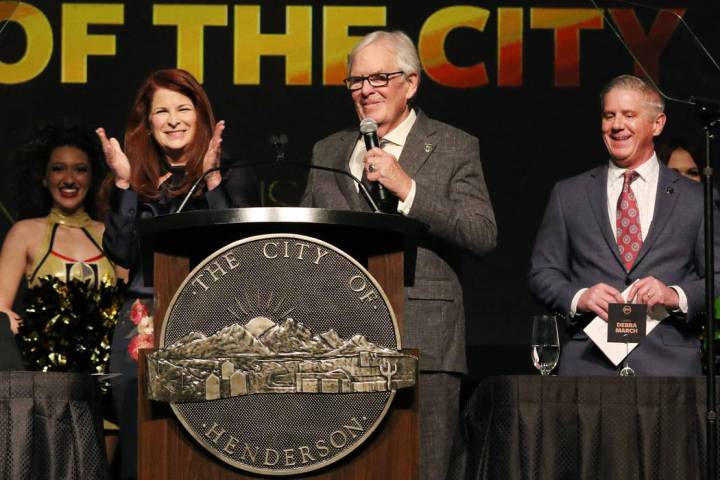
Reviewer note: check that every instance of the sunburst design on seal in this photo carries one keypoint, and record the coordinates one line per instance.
(258, 312)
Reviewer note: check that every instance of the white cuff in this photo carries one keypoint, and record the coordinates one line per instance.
(682, 299)
(575, 300)
(404, 207)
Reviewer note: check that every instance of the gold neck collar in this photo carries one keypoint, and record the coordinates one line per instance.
(78, 219)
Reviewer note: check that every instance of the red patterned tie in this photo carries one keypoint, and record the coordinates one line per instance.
(629, 235)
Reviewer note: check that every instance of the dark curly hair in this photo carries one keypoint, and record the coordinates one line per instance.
(665, 148)
(34, 199)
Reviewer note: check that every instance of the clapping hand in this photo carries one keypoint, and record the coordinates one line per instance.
(116, 160)
(212, 156)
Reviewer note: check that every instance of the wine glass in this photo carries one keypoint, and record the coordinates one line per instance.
(545, 345)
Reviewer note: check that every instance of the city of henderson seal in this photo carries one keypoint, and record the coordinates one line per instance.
(294, 343)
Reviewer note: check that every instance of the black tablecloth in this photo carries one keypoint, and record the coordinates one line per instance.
(50, 427)
(532, 427)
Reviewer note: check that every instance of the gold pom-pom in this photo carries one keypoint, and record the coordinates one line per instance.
(68, 327)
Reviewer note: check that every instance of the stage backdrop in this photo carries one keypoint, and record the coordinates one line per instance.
(521, 75)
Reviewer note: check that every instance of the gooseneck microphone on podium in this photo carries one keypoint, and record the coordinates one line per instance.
(385, 200)
(363, 191)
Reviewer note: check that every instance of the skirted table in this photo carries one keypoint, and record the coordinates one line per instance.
(50, 427)
(532, 427)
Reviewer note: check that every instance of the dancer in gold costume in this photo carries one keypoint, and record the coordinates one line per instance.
(65, 244)
(96, 268)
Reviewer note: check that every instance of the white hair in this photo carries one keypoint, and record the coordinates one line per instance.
(406, 55)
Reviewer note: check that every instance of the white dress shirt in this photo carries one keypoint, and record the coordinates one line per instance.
(393, 144)
(645, 189)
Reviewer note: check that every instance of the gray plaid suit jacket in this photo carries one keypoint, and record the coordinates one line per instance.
(452, 200)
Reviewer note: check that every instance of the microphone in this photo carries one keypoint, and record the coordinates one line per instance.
(701, 104)
(278, 142)
(368, 129)
(707, 108)
(194, 187)
(366, 195)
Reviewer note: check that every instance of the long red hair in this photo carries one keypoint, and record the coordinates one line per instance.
(141, 148)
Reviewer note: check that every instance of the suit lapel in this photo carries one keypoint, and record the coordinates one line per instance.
(597, 193)
(416, 151)
(346, 145)
(418, 147)
(665, 201)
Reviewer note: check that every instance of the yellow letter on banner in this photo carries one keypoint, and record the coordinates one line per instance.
(78, 44)
(337, 44)
(190, 21)
(510, 47)
(39, 42)
(295, 45)
(431, 46)
(566, 24)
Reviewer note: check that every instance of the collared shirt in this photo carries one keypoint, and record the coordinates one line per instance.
(393, 144)
(645, 189)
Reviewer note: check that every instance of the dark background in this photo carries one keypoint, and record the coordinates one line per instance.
(530, 135)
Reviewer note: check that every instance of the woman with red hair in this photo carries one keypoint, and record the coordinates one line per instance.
(171, 140)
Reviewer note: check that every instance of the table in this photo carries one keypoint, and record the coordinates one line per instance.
(532, 427)
(50, 427)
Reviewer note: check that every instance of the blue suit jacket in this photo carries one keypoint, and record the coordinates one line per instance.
(576, 248)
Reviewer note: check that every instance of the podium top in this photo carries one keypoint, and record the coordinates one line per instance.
(279, 215)
(198, 233)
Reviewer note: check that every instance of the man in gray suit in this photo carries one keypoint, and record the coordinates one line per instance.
(633, 222)
(434, 170)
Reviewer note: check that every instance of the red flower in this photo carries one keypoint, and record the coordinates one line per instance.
(138, 311)
(138, 342)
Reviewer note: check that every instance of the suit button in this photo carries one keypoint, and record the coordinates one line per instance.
(628, 280)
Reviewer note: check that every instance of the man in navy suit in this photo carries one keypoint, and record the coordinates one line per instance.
(606, 230)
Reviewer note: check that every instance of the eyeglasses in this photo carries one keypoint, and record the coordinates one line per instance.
(375, 80)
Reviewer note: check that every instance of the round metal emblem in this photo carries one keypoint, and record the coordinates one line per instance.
(289, 293)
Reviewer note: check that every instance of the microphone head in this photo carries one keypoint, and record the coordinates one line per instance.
(280, 139)
(368, 125)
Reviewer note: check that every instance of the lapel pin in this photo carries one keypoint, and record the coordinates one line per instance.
(669, 190)
(428, 147)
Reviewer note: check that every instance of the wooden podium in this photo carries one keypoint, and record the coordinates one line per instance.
(172, 245)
